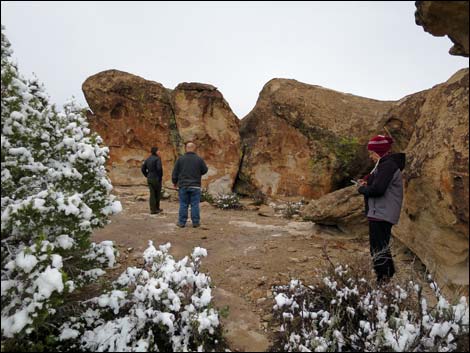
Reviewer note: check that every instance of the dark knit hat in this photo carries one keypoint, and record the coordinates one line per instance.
(380, 144)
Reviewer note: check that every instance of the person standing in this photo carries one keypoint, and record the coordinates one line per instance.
(186, 176)
(152, 169)
(383, 195)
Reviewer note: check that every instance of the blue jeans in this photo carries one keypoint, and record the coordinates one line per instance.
(189, 196)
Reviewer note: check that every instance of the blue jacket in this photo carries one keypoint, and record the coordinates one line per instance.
(384, 191)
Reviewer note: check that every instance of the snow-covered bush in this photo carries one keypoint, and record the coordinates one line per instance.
(344, 312)
(292, 208)
(228, 201)
(164, 306)
(206, 196)
(54, 193)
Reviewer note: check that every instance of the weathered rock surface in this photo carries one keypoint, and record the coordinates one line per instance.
(435, 216)
(343, 208)
(133, 114)
(305, 140)
(400, 120)
(449, 18)
(431, 127)
(204, 117)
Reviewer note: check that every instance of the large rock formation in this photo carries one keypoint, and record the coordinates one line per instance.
(435, 216)
(449, 18)
(133, 114)
(431, 127)
(343, 208)
(204, 117)
(305, 140)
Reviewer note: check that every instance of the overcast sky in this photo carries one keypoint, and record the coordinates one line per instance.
(370, 49)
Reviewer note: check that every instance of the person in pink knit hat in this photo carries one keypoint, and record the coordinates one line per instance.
(383, 196)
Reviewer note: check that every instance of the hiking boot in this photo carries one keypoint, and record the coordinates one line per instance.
(180, 225)
(196, 225)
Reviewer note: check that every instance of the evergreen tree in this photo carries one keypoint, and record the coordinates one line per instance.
(54, 193)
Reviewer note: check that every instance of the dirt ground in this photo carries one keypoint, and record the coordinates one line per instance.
(247, 254)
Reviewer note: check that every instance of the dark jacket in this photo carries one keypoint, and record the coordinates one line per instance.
(188, 170)
(152, 168)
(384, 191)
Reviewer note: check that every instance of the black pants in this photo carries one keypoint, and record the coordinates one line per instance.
(155, 187)
(379, 237)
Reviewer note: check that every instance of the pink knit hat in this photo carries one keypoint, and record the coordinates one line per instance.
(380, 144)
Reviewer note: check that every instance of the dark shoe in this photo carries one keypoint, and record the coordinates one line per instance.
(160, 211)
(383, 281)
(153, 212)
(180, 225)
(196, 225)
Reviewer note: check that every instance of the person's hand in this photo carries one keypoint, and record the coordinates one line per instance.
(175, 186)
(159, 154)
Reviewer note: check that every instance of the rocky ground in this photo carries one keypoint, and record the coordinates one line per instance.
(249, 251)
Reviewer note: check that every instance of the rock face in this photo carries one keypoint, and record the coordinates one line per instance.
(435, 216)
(449, 18)
(343, 208)
(133, 114)
(431, 127)
(204, 117)
(305, 140)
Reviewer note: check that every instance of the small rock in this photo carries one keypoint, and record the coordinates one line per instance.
(130, 249)
(294, 260)
(261, 300)
(256, 266)
(267, 318)
(291, 249)
(266, 211)
(269, 294)
(262, 281)
(256, 294)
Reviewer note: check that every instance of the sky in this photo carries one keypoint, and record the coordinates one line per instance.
(370, 49)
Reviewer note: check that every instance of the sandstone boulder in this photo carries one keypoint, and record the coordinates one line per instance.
(449, 18)
(435, 216)
(204, 117)
(305, 140)
(343, 208)
(131, 114)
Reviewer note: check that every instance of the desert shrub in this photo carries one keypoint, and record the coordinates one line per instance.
(292, 208)
(206, 196)
(343, 311)
(228, 201)
(55, 191)
(164, 306)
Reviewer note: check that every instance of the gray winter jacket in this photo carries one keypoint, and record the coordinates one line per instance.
(384, 191)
